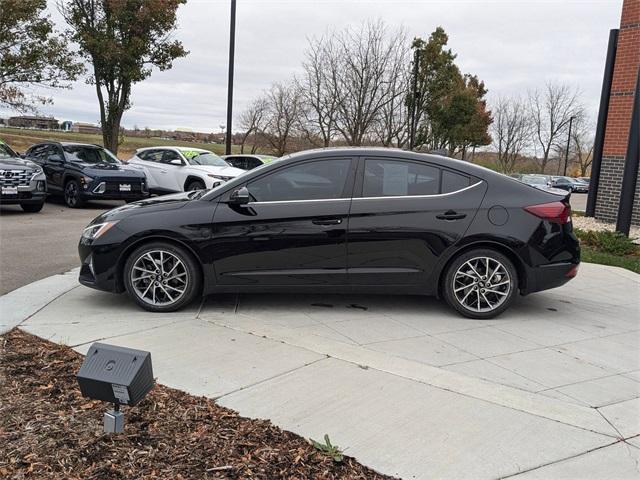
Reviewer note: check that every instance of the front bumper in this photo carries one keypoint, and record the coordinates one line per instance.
(99, 265)
(25, 196)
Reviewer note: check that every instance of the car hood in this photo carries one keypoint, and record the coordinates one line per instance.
(154, 204)
(15, 163)
(223, 171)
(108, 169)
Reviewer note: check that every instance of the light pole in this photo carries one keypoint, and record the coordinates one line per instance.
(566, 154)
(232, 46)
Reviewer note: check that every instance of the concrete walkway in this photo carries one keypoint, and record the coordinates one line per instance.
(551, 389)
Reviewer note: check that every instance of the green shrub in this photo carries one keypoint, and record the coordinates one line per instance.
(614, 243)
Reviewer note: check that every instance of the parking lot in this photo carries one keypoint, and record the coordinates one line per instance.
(47, 242)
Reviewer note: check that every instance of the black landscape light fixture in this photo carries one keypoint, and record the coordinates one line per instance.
(118, 375)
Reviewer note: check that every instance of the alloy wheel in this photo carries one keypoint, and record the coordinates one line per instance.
(159, 278)
(71, 194)
(481, 284)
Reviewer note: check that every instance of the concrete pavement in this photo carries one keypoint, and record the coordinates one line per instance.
(551, 389)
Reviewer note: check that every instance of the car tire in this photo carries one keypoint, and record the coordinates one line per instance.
(195, 185)
(480, 283)
(181, 283)
(32, 207)
(72, 194)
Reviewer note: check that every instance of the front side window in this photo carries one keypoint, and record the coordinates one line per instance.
(170, 155)
(318, 180)
(88, 154)
(383, 178)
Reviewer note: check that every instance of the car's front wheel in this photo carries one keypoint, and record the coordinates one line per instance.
(480, 283)
(162, 277)
(195, 185)
(72, 194)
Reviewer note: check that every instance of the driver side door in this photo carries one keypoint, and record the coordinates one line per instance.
(292, 232)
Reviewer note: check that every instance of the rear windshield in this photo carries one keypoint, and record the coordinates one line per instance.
(88, 154)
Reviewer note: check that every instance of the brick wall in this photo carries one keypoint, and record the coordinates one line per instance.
(616, 135)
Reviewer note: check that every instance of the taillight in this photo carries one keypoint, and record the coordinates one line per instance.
(555, 212)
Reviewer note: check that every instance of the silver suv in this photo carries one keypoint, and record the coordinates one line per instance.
(22, 182)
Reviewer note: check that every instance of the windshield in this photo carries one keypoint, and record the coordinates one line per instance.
(204, 158)
(89, 154)
(5, 151)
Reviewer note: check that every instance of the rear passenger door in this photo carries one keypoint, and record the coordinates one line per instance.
(404, 215)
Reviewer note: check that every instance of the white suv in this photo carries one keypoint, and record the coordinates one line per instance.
(178, 169)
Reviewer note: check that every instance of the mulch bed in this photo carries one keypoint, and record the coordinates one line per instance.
(48, 430)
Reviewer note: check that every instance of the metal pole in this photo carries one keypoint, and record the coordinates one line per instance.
(603, 112)
(630, 175)
(232, 47)
(566, 153)
(414, 103)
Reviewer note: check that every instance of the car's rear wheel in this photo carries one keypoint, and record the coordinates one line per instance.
(32, 207)
(162, 277)
(481, 283)
(195, 185)
(72, 194)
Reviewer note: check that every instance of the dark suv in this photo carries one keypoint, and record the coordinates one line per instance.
(21, 182)
(81, 172)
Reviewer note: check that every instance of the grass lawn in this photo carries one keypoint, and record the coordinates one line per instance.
(20, 140)
(48, 430)
(592, 255)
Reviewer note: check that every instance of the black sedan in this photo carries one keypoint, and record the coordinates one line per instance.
(81, 172)
(340, 220)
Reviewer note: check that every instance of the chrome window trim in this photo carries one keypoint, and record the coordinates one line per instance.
(301, 201)
(365, 198)
(436, 195)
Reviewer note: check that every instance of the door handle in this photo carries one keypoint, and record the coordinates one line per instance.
(451, 215)
(327, 221)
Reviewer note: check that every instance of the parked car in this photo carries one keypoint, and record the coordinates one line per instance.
(248, 162)
(538, 181)
(570, 184)
(178, 169)
(586, 180)
(335, 221)
(22, 182)
(81, 172)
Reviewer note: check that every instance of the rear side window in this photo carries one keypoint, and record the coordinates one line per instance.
(324, 180)
(151, 155)
(384, 178)
(452, 182)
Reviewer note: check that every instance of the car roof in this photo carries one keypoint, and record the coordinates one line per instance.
(174, 147)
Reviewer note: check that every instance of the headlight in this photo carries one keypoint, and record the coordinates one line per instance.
(85, 181)
(93, 232)
(36, 172)
(219, 177)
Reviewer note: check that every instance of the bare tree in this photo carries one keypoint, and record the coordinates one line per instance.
(551, 111)
(362, 65)
(511, 129)
(283, 110)
(318, 89)
(252, 121)
(582, 145)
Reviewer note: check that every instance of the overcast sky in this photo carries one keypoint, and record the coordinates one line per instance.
(512, 45)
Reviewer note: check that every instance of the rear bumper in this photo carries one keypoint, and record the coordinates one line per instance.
(545, 277)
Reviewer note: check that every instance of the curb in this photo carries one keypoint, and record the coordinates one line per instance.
(20, 304)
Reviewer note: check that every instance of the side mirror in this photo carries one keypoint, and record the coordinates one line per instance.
(176, 161)
(240, 196)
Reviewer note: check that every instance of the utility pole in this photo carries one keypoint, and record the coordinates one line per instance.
(414, 103)
(566, 154)
(232, 47)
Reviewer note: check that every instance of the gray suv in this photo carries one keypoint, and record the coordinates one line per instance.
(22, 182)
